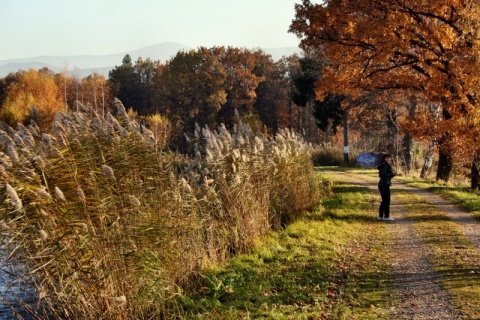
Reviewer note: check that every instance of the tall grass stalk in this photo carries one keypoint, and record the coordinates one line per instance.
(103, 224)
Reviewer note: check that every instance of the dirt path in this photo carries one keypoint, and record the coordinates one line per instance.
(418, 286)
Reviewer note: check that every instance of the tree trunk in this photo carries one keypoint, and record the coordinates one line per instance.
(392, 132)
(427, 164)
(445, 161)
(346, 149)
(407, 152)
(445, 164)
(475, 174)
(407, 139)
(308, 116)
(299, 119)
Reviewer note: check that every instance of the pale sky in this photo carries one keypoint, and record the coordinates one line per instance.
(30, 28)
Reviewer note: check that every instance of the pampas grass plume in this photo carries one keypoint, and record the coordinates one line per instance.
(208, 181)
(3, 172)
(120, 108)
(185, 185)
(208, 156)
(59, 195)
(81, 225)
(12, 194)
(5, 161)
(12, 153)
(133, 200)
(18, 140)
(240, 140)
(236, 154)
(48, 139)
(120, 300)
(43, 235)
(5, 138)
(4, 226)
(81, 194)
(43, 193)
(108, 172)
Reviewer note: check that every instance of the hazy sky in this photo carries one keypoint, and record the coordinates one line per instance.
(31, 28)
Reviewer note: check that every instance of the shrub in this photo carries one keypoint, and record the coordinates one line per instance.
(327, 155)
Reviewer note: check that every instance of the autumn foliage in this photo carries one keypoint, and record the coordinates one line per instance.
(35, 96)
(428, 48)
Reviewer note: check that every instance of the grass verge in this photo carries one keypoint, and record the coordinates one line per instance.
(457, 193)
(330, 264)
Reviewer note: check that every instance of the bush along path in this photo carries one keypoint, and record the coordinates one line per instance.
(339, 262)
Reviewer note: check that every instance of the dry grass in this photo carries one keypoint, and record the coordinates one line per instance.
(109, 226)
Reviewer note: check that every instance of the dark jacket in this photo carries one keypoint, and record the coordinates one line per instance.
(385, 173)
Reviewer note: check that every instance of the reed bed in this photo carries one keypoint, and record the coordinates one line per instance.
(102, 224)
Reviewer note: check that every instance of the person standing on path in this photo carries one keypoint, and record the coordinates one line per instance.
(386, 173)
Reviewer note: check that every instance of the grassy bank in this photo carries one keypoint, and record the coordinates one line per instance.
(330, 264)
(457, 192)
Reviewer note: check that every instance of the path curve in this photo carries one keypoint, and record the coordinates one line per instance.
(417, 284)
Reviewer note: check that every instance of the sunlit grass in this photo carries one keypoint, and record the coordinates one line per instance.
(456, 192)
(331, 263)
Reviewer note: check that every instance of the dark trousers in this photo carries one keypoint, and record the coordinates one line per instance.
(384, 210)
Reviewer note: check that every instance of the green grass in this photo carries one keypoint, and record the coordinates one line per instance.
(456, 192)
(320, 267)
(332, 263)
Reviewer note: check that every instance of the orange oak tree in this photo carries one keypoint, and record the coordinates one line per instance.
(430, 47)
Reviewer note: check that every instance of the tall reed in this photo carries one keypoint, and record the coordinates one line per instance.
(103, 224)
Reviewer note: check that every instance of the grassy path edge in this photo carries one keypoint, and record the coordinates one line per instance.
(326, 265)
(335, 263)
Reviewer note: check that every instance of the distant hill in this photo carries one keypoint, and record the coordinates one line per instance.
(86, 64)
(102, 64)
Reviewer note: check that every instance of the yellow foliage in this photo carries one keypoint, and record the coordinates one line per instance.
(157, 120)
(161, 128)
(36, 90)
(132, 114)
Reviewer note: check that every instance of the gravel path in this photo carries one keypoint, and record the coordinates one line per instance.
(417, 284)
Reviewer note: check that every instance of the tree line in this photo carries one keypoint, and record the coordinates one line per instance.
(411, 78)
(208, 86)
